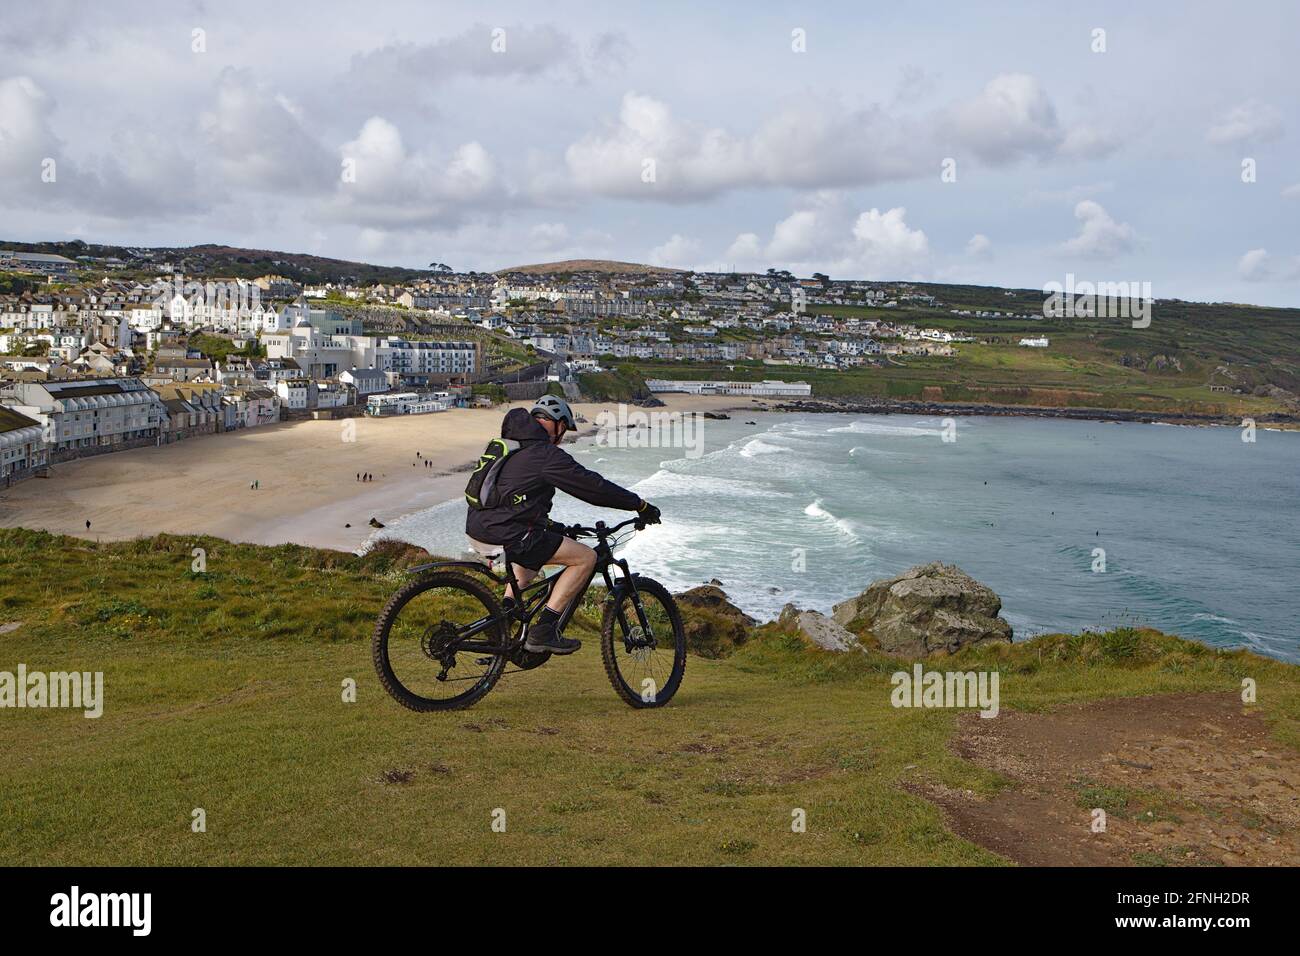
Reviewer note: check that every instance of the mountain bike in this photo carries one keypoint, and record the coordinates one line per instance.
(444, 640)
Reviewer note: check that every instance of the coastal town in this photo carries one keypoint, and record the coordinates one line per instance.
(101, 354)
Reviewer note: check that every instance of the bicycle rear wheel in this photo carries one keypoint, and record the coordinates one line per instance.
(645, 663)
(415, 643)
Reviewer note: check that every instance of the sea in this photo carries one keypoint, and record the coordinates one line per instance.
(1077, 525)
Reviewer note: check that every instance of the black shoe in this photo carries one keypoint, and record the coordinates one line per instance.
(544, 638)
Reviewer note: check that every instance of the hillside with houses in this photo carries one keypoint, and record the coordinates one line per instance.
(110, 347)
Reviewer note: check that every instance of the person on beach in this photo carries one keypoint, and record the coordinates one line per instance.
(521, 523)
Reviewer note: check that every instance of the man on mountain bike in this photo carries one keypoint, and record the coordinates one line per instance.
(521, 523)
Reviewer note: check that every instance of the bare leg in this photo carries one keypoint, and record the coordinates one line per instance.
(579, 562)
(523, 575)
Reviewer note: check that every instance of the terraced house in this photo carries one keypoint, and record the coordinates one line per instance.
(22, 445)
(88, 416)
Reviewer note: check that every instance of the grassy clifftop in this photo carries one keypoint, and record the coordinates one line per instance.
(621, 384)
(223, 691)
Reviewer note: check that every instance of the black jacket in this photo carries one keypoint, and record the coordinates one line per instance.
(534, 472)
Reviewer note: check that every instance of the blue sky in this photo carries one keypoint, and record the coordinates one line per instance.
(803, 136)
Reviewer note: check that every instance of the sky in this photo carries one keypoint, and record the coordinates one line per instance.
(1007, 145)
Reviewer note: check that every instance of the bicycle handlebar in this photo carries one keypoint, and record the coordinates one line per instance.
(600, 531)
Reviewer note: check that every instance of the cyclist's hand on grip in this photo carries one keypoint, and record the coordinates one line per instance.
(648, 513)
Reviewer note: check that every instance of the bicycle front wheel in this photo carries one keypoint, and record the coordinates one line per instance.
(644, 654)
(416, 643)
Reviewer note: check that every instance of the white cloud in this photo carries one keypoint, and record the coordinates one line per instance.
(1251, 121)
(1013, 118)
(1100, 236)
(142, 171)
(1087, 142)
(1258, 265)
(393, 186)
(259, 141)
(481, 52)
(1291, 192)
(679, 251)
(818, 144)
(685, 162)
(746, 252)
(797, 237)
(826, 237)
(886, 246)
(26, 139)
(810, 146)
(978, 245)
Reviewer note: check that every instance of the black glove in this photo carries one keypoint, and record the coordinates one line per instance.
(648, 513)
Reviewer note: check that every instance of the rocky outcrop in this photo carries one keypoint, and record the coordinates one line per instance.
(933, 607)
(714, 626)
(818, 628)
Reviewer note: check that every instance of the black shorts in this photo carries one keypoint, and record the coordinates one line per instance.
(535, 548)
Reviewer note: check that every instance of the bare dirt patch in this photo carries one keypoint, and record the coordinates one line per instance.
(1183, 779)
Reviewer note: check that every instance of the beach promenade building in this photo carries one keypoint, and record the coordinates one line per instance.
(294, 393)
(191, 410)
(89, 416)
(22, 445)
(250, 407)
(410, 359)
(366, 381)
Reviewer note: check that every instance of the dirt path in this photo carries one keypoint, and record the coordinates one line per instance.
(1183, 780)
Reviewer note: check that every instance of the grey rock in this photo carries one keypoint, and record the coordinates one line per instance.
(932, 607)
(819, 629)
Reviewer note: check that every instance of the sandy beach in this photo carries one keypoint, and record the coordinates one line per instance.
(306, 471)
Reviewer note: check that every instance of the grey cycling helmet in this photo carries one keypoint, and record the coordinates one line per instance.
(557, 410)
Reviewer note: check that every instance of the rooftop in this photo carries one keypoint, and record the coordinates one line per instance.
(11, 420)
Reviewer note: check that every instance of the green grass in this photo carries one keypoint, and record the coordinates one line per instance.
(621, 384)
(224, 691)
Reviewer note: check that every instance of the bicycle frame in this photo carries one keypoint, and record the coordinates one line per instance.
(526, 607)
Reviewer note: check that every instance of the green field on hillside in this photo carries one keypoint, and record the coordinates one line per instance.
(1090, 362)
(224, 692)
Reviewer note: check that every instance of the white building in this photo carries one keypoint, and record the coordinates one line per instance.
(22, 443)
(293, 393)
(85, 413)
(323, 355)
(405, 403)
(366, 381)
(1035, 343)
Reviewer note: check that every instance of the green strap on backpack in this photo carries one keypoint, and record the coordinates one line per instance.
(482, 492)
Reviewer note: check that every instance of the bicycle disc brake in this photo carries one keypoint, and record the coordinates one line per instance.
(639, 647)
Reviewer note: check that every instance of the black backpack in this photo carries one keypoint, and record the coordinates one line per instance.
(481, 492)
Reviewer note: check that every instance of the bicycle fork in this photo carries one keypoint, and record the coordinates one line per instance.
(647, 636)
